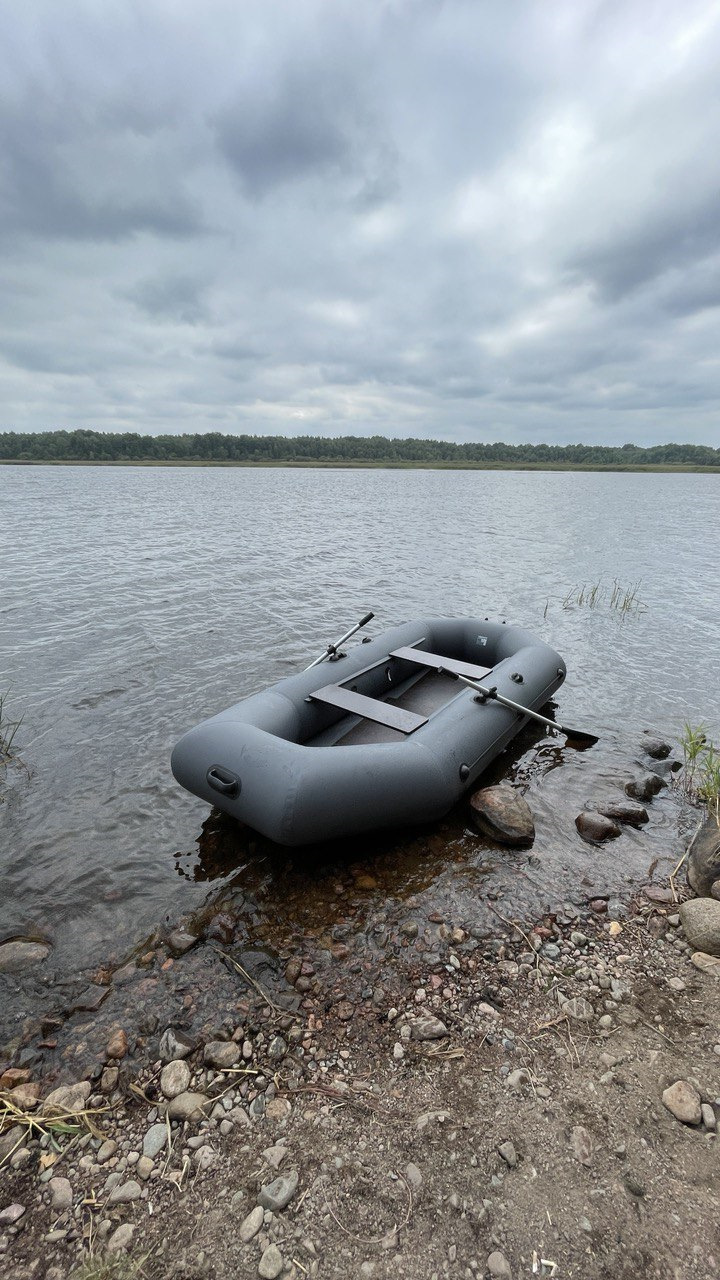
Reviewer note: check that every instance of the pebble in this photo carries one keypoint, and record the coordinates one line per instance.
(708, 1116)
(582, 1145)
(579, 1008)
(508, 1153)
(188, 1106)
(174, 1045)
(498, 1266)
(250, 1225)
(271, 1263)
(706, 963)
(277, 1194)
(683, 1101)
(222, 1054)
(144, 1167)
(117, 1045)
(125, 1193)
(106, 1151)
(154, 1140)
(121, 1238)
(428, 1027)
(61, 1194)
(11, 1214)
(69, 1097)
(181, 941)
(175, 1078)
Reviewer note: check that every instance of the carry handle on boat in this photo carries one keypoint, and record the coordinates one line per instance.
(491, 694)
(332, 650)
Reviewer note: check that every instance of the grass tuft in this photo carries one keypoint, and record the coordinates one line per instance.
(622, 600)
(701, 768)
(8, 729)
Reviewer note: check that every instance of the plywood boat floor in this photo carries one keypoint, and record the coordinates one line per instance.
(423, 697)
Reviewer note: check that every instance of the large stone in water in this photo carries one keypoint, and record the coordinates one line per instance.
(644, 788)
(700, 918)
(21, 954)
(624, 811)
(596, 827)
(704, 858)
(502, 813)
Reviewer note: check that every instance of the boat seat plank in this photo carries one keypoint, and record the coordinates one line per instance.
(335, 695)
(439, 663)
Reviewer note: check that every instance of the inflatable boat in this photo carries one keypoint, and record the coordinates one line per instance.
(407, 723)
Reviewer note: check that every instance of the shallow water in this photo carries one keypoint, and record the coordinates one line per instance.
(136, 601)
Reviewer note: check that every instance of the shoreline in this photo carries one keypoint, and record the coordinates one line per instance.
(509, 1102)
(358, 465)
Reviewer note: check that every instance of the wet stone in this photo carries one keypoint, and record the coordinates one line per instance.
(175, 1045)
(655, 747)
(644, 788)
(22, 954)
(181, 941)
(627, 811)
(117, 1045)
(501, 812)
(596, 826)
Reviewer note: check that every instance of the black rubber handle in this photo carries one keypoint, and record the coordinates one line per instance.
(368, 618)
(222, 780)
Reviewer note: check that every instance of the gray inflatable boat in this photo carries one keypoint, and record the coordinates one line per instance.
(393, 738)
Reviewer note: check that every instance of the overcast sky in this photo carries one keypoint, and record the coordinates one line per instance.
(471, 220)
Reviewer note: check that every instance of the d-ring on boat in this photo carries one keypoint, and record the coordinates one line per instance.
(394, 739)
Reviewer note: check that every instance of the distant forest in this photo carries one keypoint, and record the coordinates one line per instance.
(212, 447)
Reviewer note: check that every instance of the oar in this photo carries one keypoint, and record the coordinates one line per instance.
(333, 649)
(587, 739)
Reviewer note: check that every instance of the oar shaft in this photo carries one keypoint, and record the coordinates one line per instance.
(494, 696)
(332, 648)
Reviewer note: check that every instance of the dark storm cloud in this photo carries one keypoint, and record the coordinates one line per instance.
(457, 219)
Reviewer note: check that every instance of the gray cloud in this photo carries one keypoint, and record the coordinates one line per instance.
(448, 219)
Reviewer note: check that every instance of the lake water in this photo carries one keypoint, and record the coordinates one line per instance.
(136, 601)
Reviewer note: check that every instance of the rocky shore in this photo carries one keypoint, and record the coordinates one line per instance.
(539, 1099)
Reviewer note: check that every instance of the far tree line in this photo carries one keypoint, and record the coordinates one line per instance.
(212, 446)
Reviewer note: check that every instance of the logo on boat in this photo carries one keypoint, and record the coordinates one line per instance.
(482, 640)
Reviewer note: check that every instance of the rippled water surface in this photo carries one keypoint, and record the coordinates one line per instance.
(135, 602)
